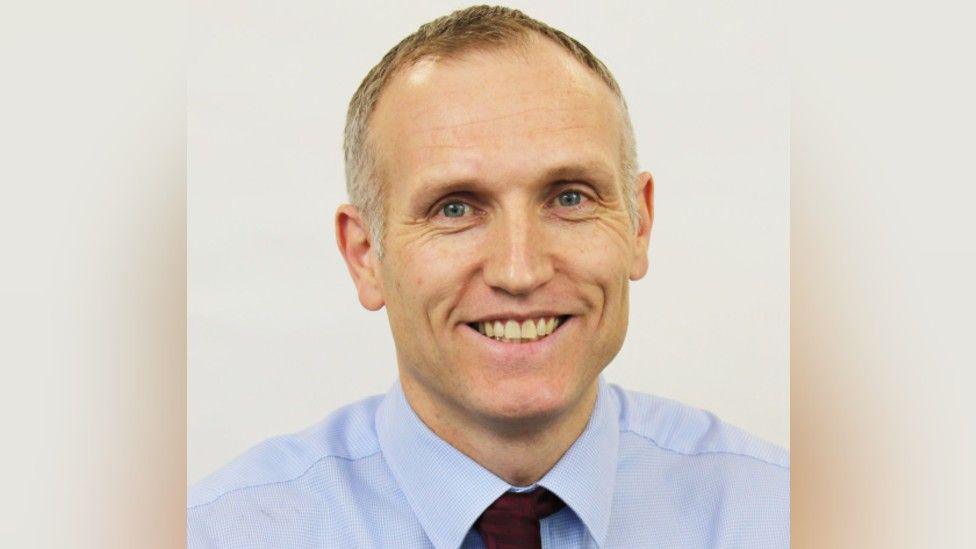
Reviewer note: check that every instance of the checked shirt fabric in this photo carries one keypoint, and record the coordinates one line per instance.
(646, 472)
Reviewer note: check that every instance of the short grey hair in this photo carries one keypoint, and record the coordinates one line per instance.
(475, 28)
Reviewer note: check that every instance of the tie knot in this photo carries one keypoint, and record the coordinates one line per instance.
(534, 505)
(513, 519)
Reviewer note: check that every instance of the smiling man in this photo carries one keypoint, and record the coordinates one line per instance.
(499, 217)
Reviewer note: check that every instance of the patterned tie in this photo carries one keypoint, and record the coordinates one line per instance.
(512, 521)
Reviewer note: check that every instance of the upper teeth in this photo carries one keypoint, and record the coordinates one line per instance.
(515, 331)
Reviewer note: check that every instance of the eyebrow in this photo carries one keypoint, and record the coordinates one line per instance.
(595, 172)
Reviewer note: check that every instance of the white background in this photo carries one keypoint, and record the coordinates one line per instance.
(276, 337)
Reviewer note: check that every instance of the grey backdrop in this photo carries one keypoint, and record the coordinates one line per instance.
(276, 337)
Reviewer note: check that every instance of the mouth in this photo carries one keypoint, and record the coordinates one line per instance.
(519, 331)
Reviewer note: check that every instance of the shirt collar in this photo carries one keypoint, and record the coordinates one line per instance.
(448, 491)
(584, 477)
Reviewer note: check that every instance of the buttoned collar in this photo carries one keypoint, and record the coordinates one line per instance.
(448, 491)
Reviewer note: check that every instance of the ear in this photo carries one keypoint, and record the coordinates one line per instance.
(645, 217)
(353, 239)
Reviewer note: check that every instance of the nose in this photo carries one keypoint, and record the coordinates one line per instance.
(517, 259)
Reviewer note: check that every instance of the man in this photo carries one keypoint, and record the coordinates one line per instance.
(498, 215)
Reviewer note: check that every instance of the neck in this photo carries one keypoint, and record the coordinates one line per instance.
(518, 451)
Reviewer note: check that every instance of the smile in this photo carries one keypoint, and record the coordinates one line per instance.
(515, 331)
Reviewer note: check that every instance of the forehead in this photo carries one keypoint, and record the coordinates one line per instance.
(500, 114)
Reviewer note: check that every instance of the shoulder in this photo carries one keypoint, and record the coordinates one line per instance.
(684, 430)
(674, 457)
(348, 434)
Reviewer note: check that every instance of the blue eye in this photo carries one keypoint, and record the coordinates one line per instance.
(454, 209)
(569, 199)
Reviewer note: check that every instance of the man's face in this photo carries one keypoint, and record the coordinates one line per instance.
(504, 206)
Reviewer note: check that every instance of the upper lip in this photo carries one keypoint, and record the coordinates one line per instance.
(518, 316)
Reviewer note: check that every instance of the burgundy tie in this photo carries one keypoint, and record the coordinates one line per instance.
(512, 521)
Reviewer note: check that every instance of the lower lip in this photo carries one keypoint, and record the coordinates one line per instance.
(505, 351)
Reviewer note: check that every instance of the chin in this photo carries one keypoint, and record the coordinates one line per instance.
(526, 398)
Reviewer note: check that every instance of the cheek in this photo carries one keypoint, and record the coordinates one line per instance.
(597, 253)
(435, 265)
(430, 276)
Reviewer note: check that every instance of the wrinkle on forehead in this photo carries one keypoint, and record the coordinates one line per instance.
(546, 124)
(499, 118)
(465, 116)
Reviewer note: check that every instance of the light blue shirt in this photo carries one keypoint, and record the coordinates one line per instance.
(646, 472)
